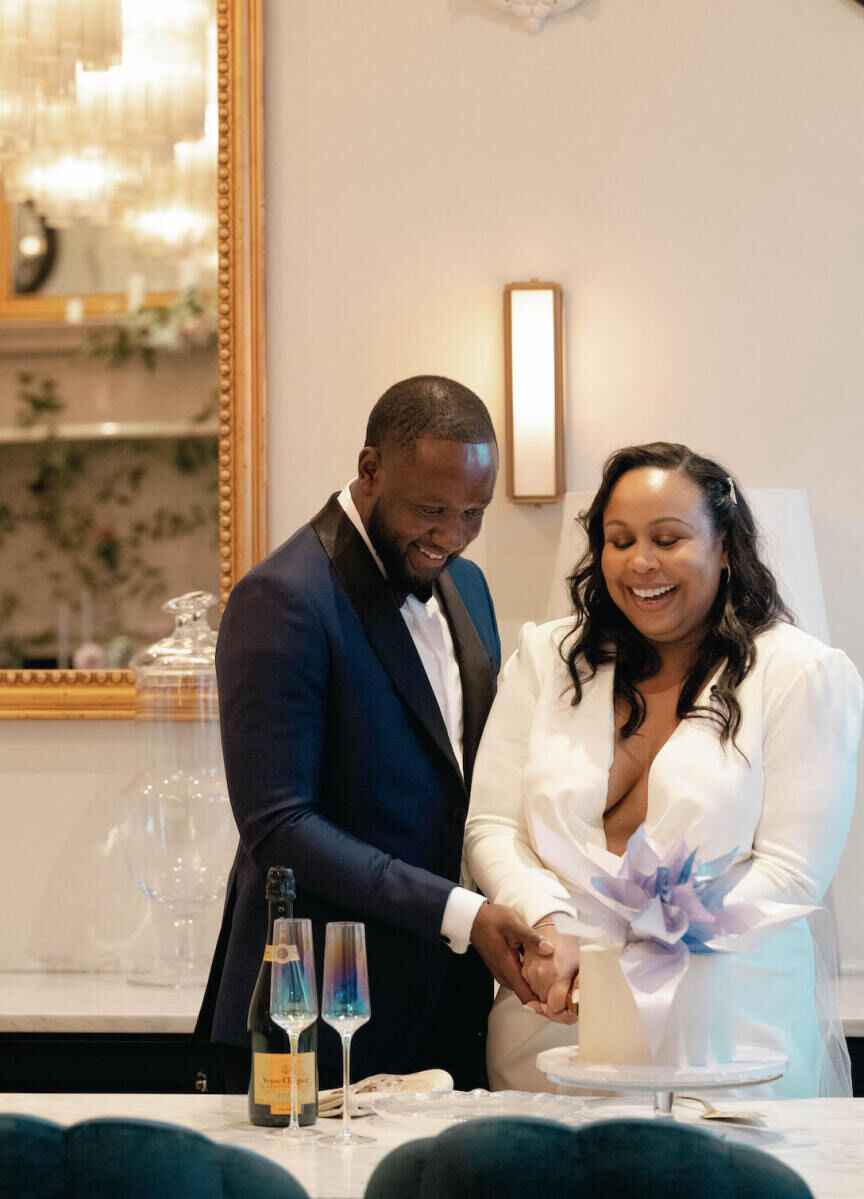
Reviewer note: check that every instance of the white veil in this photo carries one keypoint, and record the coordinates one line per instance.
(835, 1072)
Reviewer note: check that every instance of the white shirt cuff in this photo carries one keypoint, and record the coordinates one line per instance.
(459, 915)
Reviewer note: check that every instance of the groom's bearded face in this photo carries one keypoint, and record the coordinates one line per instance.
(429, 506)
(401, 577)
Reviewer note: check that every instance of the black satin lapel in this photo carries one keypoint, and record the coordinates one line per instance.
(386, 630)
(475, 669)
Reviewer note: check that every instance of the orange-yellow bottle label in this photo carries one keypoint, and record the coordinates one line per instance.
(272, 1073)
(281, 952)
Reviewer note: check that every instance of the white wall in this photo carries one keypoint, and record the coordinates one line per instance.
(67, 896)
(691, 172)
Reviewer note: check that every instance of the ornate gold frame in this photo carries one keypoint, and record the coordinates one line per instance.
(109, 695)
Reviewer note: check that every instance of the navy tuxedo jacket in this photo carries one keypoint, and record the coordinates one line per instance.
(339, 766)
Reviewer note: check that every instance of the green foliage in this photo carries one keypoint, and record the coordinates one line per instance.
(189, 322)
(8, 523)
(191, 454)
(72, 496)
(119, 344)
(38, 399)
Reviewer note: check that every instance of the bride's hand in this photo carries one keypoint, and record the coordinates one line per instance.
(542, 973)
(560, 1006)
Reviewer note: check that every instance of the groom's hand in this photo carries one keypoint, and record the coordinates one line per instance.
(544, 973)
(562, 1004)
(501, 938)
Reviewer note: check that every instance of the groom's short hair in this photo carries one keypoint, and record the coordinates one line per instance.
(429, 406)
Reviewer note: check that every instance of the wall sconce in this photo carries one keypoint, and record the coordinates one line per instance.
(534, 382)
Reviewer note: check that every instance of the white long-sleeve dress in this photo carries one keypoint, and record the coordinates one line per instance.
(785, 801)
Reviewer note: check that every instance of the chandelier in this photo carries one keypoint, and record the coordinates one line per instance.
(108, 114)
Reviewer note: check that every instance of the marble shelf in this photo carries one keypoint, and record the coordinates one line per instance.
(822, 1139)
(127, 430)
(108, 1003)
(93, 1003)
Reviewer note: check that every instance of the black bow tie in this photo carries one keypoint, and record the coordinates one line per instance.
(400, 596)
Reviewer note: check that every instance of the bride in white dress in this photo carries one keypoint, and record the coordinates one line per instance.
(680, 678)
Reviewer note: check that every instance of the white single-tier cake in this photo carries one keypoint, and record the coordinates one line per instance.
(701, 1026)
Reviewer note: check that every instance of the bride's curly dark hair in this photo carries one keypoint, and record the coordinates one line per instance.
(747, 600)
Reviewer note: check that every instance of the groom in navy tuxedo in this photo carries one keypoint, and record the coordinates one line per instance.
(356, 666)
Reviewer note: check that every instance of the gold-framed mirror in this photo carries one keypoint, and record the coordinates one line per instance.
(239, 417)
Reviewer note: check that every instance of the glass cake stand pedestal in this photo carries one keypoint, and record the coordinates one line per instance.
(750, 1066)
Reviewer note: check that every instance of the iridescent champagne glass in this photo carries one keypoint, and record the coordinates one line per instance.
(293, 999)
(345, 1007)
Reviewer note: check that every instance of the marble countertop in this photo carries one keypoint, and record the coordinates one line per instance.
(822, 1139)
(94, 1003)
(110, 1003)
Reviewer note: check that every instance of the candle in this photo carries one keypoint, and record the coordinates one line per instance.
(86, 617)
(136, 291)
(62, 635)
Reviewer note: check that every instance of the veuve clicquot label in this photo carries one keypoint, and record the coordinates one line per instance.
(281, 953)
(271, 1074)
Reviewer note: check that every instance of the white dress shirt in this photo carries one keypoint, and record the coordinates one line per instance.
(431, 635)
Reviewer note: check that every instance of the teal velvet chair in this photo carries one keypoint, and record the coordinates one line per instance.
(130, 1159)
(526, 1158)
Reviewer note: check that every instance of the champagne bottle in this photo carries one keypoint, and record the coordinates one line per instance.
(270, 1077)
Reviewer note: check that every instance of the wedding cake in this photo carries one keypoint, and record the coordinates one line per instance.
(699, 1023)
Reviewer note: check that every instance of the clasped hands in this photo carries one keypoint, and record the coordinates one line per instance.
(552, 977)
(539, 964)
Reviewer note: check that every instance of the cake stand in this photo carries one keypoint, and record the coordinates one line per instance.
(750, 1066)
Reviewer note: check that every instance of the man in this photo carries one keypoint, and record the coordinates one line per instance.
(356, 668)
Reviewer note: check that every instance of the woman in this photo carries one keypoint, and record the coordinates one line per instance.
(681, 678)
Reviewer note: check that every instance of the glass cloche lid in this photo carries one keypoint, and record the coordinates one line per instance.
(189, 652)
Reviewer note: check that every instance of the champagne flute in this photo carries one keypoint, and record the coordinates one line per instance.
(345, 1007)
(293, 998)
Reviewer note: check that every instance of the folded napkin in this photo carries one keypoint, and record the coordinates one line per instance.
(330, 1102)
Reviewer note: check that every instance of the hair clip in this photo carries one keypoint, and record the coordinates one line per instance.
(732, 496)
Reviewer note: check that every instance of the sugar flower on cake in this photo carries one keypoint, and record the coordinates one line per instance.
(662, 895)
(661, 905)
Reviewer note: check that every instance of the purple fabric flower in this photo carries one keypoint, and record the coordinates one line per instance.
(661, 906)
(662, 894)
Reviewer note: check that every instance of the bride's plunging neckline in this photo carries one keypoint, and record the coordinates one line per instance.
(643, 780)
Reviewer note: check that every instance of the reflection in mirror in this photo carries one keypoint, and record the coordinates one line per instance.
(34, 249)
(108, 462)
(126, 405)
(84, 260)
(108, 452)
(108, 139)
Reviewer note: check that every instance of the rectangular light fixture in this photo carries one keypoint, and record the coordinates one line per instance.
(534, 381)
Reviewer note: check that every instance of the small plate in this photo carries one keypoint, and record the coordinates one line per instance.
(470, 1105)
